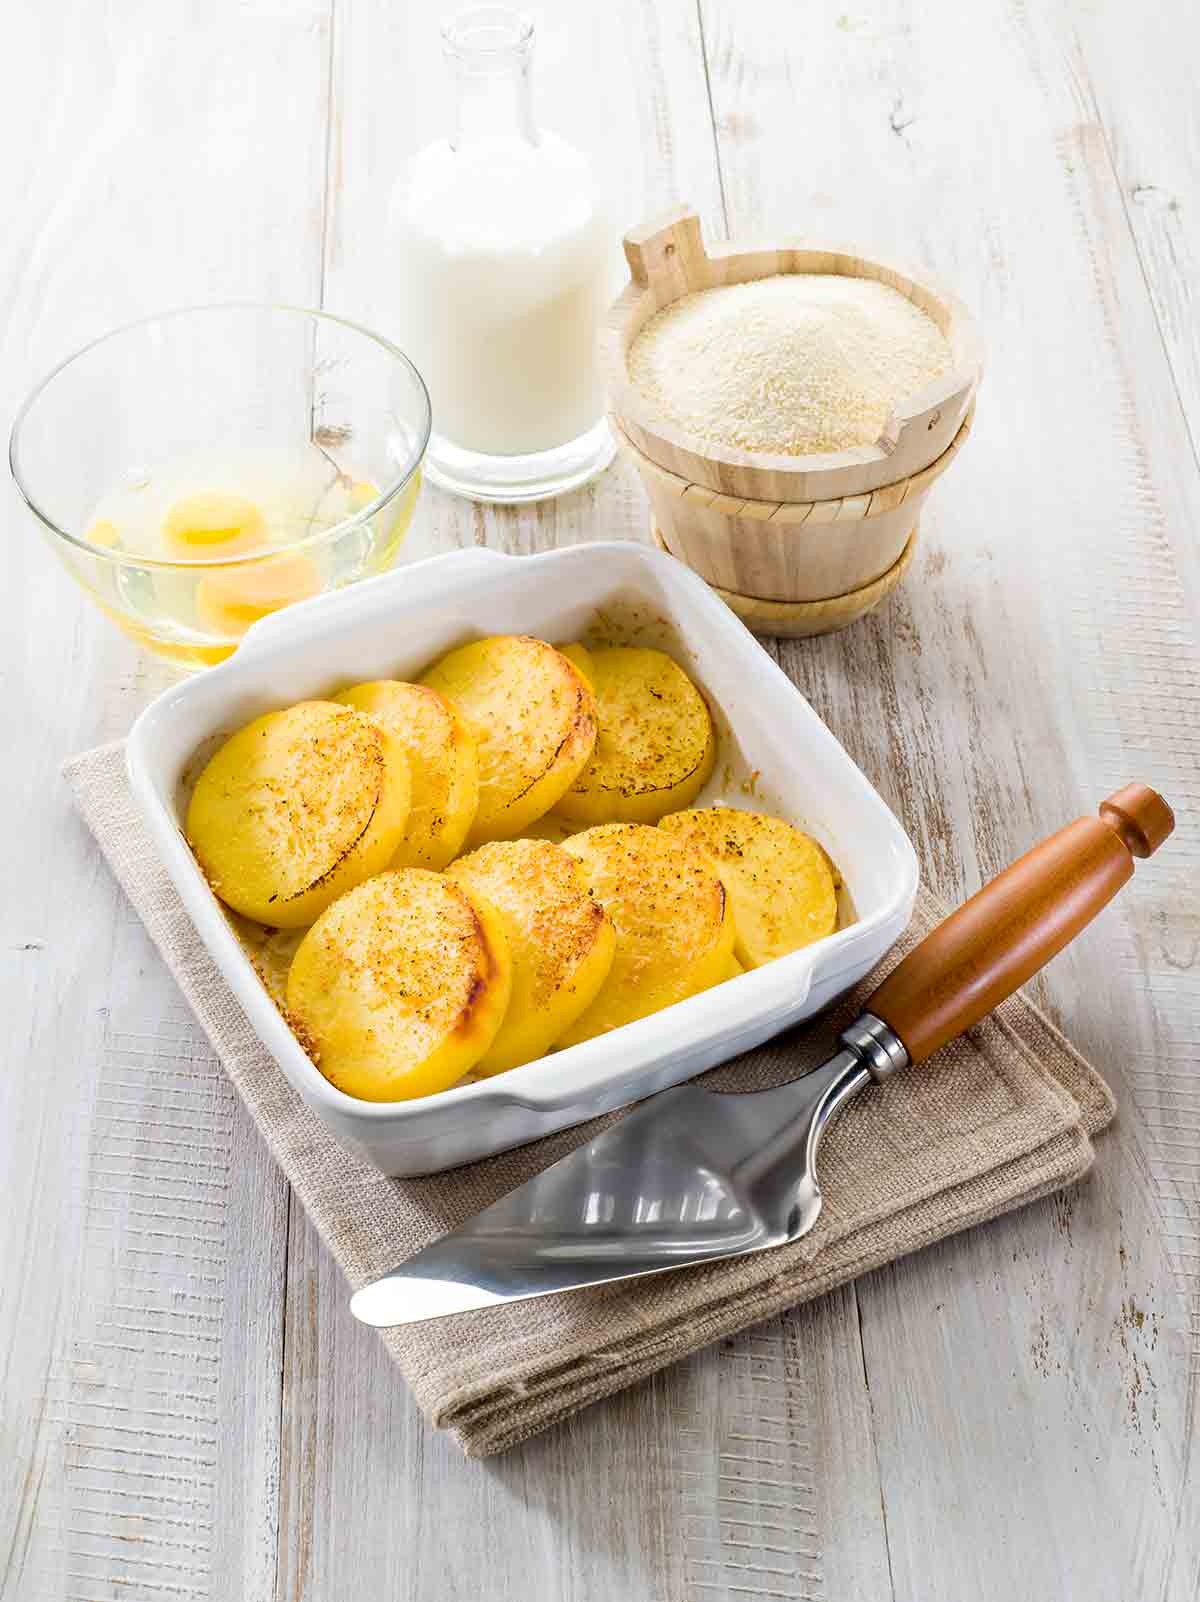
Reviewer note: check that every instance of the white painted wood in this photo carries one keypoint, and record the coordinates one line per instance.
(1042, 651)
(1151, 153)
(157, 154)
(1011, 1414)
(700, 1484)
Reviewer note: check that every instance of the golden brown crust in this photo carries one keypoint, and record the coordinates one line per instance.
(478, 986)
(781, 883)
(401, 985)
(655, 745)
(533, 717)
(559, 938)
(581, 728)
(353, 844)
(442, 760)
(674, 932)
(296, 807)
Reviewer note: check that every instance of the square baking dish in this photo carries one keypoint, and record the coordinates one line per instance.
(775, 754)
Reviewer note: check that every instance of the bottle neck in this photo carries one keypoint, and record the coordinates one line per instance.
(489, 51)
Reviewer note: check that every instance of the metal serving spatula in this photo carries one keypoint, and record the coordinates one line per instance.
(691, 1176)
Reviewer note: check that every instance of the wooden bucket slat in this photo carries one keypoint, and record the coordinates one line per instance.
(794, 552)
(803, 619)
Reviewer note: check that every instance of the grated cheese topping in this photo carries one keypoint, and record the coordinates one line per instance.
(796, 364)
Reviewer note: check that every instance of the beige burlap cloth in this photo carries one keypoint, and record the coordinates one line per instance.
(999, 1118)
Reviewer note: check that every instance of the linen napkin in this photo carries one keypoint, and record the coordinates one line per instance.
(997, 1119)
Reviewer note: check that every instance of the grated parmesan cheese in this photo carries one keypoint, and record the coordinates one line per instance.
(794, 364)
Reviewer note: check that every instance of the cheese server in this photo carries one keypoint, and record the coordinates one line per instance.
(691, 1176)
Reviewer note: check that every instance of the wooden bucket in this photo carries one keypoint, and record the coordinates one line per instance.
(789, 551)
(782, 528)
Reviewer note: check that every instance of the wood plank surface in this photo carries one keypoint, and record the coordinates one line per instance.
(666, 1508)
(1039, 654)
(188, 1409)
(144, 1226)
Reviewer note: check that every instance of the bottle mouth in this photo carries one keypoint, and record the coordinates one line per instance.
(487, 35)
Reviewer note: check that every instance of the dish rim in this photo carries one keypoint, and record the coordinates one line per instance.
(593, 1068)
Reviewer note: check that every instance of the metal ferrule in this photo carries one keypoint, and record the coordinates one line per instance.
(879, 1048)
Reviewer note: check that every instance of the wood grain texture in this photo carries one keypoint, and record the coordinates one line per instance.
(188, 1410)
(806, 552)
(994, 943)
(143, 1229)
(1047, 649)
(1149, 155)
(800, 620)
(640, 1519)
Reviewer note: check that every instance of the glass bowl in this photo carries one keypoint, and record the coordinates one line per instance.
(200, 469)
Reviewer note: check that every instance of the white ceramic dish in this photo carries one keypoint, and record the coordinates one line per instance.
(773, 744)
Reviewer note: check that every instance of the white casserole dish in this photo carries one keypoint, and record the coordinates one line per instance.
(771, 743)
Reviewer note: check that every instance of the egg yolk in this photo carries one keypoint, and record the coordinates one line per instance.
(103, 532)
(214, 517)
(230, 600)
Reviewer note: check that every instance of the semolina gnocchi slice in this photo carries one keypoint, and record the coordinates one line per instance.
(398, 989)
(780, 881)
(655, 745)
(103, 532)
(442, 761)
(581, 657)
(533, 716)
(560, 938)
(297, 808)
(672, 918)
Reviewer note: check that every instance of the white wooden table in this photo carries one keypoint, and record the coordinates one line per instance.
(188, 1410)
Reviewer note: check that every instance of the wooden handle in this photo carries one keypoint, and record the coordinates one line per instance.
(668, 252)
(1002, 936)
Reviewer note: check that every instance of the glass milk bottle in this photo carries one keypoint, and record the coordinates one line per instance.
(501, 251)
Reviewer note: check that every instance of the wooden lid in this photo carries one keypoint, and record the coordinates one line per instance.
(668, 259)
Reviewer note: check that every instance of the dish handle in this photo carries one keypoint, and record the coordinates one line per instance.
(667, 253)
